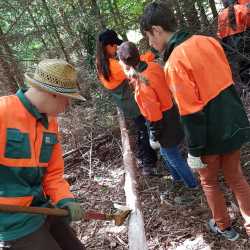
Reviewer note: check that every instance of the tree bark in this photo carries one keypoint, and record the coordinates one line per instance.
(115, 15)
(56, 31)
(37, 28)
(136, 230)
(75, 41)
(7, 78)
(97, 13)
(180, 16)
(203, 16)
(213, 8)
(191, 15)
(9, 63)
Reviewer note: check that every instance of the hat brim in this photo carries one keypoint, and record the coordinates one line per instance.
(37, 84)
(119, 41)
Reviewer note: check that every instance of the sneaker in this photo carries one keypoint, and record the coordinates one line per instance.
(229, 233)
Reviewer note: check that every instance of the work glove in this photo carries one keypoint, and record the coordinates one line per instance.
(195, 162)
(154, 144)
(76, 212)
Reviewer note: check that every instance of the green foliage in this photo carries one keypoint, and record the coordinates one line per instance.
(67, 28)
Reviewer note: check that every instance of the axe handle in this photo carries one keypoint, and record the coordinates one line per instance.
(34, 210)
(89, 215)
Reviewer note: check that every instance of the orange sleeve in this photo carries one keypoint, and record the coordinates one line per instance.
(148, 103)
(183, 89)
(158, 83)
(117, 75)
(148, 56)
(155, 96)
(54, 185)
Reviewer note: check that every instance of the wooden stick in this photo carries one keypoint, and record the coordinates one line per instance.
(34, 210)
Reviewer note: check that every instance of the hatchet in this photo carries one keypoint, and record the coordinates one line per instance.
(119, 217)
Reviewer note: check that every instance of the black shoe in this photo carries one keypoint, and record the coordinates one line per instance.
(147, 171)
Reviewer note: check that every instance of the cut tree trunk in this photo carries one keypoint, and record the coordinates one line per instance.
(136, 231)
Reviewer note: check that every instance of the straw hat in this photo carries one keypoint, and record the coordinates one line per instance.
(55, 76)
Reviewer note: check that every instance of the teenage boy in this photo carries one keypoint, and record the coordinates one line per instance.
(214, 120)
(31, 162)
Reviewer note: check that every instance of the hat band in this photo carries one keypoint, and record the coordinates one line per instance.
(58, 89)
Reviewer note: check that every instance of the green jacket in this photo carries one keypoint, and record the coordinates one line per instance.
(123, 96)
(31, 165)
(221, 125)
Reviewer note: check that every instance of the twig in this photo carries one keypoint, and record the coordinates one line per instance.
(152, 216)
(73, 151)
(90, 155)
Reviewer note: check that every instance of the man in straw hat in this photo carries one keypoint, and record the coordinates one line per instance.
(31, 163)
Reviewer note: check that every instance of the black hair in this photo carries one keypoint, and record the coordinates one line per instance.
(158, 14)
(231, 12)
(129, 54)
(232, 17)
(102, 60)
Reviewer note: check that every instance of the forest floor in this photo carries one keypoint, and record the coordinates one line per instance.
(93, 164)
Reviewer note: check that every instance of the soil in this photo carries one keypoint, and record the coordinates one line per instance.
(93, 167)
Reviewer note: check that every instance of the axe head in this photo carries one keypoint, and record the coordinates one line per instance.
(120, 216)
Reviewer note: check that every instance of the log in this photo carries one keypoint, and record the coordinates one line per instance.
(136, 230)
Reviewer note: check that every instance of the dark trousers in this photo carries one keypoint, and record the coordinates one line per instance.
(235, 46)
(55, 234)
(145, 153)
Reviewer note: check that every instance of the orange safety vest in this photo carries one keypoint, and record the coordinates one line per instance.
(148, 56)
(242, 15)
(153, 97)
(243, 1)
(28, 147)
(196, 72)
(117, 75)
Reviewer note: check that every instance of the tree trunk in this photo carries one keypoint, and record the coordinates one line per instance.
(37, 28)
(191, 15)
(136, 230)
(56, 31)
(213, 8)
(98, 15)
(7, 78)
(203, 16)
(87, 36)
(75, 41)
(116, 19)
(9, 63)
(180, 16)
(122, 25)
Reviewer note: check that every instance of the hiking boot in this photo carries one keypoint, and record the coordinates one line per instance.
(147, 172)
(229, 233)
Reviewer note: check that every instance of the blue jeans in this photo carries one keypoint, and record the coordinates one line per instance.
(177, 166)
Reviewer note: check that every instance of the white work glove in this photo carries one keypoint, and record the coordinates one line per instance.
(154, 144)
(195, 162)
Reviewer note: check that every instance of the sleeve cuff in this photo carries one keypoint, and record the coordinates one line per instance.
(63, 202)
(195, 152)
